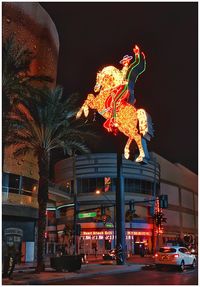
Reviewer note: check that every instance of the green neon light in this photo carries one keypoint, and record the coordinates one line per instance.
(141, 71)
(133, 66)
(88, 214)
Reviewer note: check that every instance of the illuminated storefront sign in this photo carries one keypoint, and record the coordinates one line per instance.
(106, 232)
(86, 215)
(147, 233)
(115, 101)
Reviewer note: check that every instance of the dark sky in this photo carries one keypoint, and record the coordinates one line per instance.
(96, 34)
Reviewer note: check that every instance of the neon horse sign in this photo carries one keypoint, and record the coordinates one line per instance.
(115, 101)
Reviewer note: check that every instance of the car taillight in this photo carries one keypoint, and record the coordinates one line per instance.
(176, 255)
(156, 255)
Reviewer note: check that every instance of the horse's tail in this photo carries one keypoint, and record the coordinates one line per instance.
(145, 124)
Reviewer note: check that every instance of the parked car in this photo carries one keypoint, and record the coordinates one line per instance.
(110, 255)
(176, 256)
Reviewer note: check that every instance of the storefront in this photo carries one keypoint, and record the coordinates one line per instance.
(99, 241)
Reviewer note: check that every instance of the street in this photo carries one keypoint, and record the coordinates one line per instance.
(144, 277)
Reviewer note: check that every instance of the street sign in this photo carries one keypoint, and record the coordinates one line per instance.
(109, 225)
(88, 214)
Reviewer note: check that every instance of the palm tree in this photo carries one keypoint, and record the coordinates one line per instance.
(17, 82)
(16, 78)
(40, 125)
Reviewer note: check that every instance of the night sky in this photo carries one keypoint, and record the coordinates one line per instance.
(93, 35)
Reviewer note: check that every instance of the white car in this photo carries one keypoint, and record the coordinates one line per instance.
(175, 256)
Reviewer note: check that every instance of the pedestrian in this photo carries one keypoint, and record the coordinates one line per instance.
(10, 260)
(142, 251)
(82, 253)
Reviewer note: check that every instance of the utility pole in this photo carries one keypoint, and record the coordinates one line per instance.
(75, 204)
(154, 196)
(120, 216)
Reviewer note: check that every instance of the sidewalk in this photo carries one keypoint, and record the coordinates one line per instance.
(26, 276)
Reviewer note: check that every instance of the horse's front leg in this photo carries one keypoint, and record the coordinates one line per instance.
(138, 140)
(85, 107)
(127, 148)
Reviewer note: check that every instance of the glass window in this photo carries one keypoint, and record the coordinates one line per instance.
(100, 183)
(132, 185)
(183, 250)
(167, 250)
(79, 185)
(114, 182)
(5, 182)
(14, 183)
(28, 184)
(85, 186)
(92, 184)
(146, 187)
(138, 186)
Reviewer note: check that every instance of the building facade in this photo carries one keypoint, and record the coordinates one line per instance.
(95, 177)
(33, 28)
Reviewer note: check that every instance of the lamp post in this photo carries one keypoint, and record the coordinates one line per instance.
(120, 216)
(120, 213)
(114, 225)
(75, 204)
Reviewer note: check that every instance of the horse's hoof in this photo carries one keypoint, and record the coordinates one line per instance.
(86, 111)
(126, 155)
(78, 115)
(139, 159)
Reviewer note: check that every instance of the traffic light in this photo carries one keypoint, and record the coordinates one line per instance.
(103, 210)
(104, 218)
(78, 229)
(163, 201)
(158, 218)
(131, 205)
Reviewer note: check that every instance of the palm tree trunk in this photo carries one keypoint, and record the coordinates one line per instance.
(43, 163)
